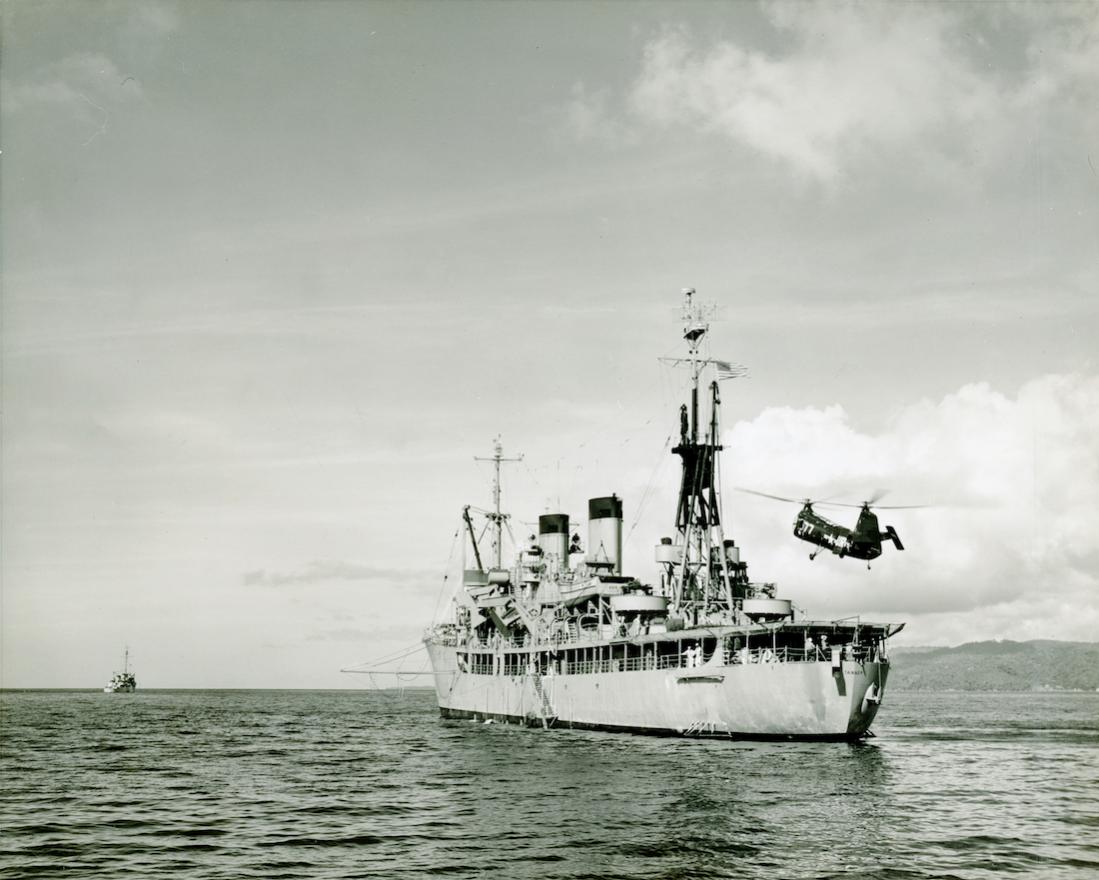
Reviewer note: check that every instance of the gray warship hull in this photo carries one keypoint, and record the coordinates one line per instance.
(769, 697)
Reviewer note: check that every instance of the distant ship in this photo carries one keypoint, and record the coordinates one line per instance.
(122, 682)
(562, 638)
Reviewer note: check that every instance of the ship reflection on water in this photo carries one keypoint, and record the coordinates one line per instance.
(697, 809)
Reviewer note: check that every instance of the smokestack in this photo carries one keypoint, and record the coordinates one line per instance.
(553, 537)
(605, 532)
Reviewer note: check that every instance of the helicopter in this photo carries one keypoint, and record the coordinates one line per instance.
(864, 541)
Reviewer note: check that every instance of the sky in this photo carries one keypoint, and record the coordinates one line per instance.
(275, 273)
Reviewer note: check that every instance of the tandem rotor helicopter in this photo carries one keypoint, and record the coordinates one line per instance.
(864, 541)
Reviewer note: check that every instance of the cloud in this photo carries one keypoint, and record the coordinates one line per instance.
(87, 84)
(151, 22)
(856, 79)
(1062, 56)
(343, 634)
(320, 571)
(1007, 546)
(588, 116)
(85, 87)
(83, 81)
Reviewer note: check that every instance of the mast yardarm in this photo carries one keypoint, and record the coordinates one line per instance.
(496, 517)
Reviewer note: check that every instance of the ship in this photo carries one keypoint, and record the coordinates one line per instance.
(561, 637)
(123, 682)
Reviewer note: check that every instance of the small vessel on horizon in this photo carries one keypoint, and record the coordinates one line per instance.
(564, 638)
(123, 682)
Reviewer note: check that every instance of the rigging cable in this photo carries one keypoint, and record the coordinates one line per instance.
(649, 488)
(446, 573)
(391, 657)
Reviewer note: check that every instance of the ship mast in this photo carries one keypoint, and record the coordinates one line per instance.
(700, 581)
(496, 517)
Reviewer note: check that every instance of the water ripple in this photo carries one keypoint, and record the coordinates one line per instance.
(217, 785)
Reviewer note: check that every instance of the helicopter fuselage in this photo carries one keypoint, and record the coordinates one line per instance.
(861, 542)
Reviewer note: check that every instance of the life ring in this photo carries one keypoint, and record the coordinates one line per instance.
(768, 656)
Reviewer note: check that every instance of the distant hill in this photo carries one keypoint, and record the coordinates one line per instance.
(1042, 664)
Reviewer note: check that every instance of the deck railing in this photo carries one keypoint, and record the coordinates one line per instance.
(650, 660)
(730, 656)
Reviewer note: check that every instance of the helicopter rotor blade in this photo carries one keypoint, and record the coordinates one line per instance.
(879, 506)
(877, 496)
(826, 503)
(773, 497)
(832, 504)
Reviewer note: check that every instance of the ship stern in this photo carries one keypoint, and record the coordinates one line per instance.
(866, 696)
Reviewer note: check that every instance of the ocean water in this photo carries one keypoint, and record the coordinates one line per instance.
(315, 784)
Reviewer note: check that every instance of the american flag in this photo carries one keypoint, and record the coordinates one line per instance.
(726, 370)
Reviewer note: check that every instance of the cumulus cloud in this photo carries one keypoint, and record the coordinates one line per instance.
(856, 76)
(849, 80)
(1008, 546)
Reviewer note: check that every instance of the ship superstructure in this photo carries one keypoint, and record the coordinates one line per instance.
(123, 682)
(563, 637)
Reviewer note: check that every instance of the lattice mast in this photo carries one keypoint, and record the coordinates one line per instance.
(701, 583)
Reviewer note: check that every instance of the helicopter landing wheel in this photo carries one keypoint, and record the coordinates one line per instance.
(813, 556)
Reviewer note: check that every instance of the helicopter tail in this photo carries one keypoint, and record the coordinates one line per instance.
(891, 534)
